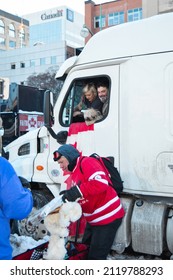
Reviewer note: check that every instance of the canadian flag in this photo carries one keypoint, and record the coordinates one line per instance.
(82, 137)
(32, 122)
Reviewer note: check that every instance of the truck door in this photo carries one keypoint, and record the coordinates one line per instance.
(101, 137)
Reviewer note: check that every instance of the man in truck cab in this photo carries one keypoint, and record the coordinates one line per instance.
(103, 94)
(100, 203)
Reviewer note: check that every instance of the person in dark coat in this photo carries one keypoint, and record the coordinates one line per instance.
(103, 94)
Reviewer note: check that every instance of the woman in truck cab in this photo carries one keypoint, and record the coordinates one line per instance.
(90, 105)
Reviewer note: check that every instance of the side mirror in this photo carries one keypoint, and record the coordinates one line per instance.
(48, 109)
(61, 137)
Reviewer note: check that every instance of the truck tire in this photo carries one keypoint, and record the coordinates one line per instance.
(19, 227)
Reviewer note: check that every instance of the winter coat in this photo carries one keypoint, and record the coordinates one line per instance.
(15, 203)
(100, 202)
(105, 108)
(95, 104)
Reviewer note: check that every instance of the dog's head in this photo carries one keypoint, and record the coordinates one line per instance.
(91, 116)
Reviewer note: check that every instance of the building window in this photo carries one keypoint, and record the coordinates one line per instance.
(11, 30)
(134, 14)
(21, 32)
(99, 22)
(53, 60)
(70, 15)
(115, 18)
(22, 65)
(12, 44)
(2, 27)
(2, 41)
(32, 63)
(13, 66)
(42, 61)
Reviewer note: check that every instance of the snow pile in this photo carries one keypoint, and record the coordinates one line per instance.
(21, 244)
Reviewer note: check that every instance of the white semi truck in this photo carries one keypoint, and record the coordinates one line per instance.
(136, 61)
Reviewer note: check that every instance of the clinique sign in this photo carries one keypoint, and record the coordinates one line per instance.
(59, 13)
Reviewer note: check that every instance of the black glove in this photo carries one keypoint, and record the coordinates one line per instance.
(71, 194)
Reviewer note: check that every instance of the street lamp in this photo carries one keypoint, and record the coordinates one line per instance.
(85, 31)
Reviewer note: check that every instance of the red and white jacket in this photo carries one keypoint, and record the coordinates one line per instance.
(100, 202)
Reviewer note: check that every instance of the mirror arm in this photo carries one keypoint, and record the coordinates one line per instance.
(52, 133)
(61, 136)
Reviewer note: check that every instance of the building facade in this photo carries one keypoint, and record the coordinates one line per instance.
(54, 25)
(14, 31)
(54, 36)
(105, 15)
(155, 7)
(19, 64)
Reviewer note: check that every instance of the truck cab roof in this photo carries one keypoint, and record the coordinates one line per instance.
(146, 36)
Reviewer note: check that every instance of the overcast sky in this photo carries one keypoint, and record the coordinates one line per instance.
(23, 7)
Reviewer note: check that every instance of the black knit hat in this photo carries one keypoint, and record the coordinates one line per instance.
(68, 151)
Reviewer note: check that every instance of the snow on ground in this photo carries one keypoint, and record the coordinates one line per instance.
(21, 244)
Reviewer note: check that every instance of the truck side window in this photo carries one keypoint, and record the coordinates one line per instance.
(73, 98)
(75, 94)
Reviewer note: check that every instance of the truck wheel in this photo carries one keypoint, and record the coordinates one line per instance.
(19, 227)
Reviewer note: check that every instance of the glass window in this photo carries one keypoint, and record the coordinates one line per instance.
(13, 66)
(2, 41)
(22, 65)
(2, 27)
(42, 61)
(53, 60)
(22, 33)
(12, 44)
(49, 32)
(70, 15)
(32, 63)
(134, 14)
(11, 30)
(74, 97)
(99, 22)
(115, 18)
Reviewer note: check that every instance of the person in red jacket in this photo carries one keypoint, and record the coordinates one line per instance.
(100, 203)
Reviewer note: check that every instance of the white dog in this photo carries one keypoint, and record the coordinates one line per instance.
(91, 116)
(57, 224)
